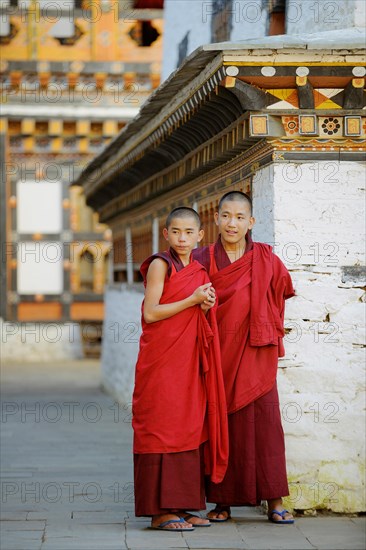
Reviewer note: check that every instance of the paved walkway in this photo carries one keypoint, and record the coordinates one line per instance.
(67, 479)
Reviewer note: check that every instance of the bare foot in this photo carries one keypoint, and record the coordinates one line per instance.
(276, 505)
(156, 521)
(219, 513)
(194, 520)
(281, 517)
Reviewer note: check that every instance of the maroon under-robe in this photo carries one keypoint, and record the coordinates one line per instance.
(251, 294)
(167, 480)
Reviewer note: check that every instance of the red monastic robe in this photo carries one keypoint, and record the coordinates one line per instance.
(179, 397)
(251, 293)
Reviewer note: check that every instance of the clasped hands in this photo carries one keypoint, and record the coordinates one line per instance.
(205, 296)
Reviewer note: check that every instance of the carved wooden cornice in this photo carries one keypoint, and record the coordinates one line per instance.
(204, 115)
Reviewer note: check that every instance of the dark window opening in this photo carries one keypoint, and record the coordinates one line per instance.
(137, 277)
(183, 49)
(86, 272)
(221, 22)
(143, 33)
(82, 4)
(71, 40)
(120, 277)
(277, 17)
(148, 4)
(107, 261)
(7, 38)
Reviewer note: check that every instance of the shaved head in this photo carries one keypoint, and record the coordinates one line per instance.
(183, 212)
(232, 196)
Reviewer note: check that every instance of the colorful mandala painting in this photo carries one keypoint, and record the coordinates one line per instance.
(291, 125)
(331, 126)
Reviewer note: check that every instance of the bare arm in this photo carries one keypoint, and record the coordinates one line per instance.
(153, 310)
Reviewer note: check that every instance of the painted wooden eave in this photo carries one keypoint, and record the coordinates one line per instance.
(326, 47)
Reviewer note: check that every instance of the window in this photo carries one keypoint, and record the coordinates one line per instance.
(144, 33)
(39, 207)
(86, 272)
(277, 17)
(107, 268)
(148, 4)
(40, 268)
(221, 22)
(183, 49)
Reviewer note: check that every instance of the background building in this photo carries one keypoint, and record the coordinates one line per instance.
(190, 23)
(73, 73)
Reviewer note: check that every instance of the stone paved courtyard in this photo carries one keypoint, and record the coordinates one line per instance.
(67, 480)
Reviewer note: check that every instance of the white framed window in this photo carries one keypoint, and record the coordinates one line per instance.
(40, 267)
(39, 207)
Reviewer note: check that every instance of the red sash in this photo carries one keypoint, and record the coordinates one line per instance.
(179, 396)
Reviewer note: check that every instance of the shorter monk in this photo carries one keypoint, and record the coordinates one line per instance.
(179, 408)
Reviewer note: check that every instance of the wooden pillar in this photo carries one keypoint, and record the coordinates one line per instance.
(5, 208)
(155, 235)
(95, 15)
(129, 255)
(33, 23)
(195, 207)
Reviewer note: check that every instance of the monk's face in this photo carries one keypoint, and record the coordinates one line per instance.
(183, 234)
(234, 221)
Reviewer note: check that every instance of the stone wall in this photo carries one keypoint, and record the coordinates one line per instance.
(316, 224)
(39, 342)
(121, 335)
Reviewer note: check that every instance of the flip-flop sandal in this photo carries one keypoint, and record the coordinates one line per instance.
(163, 526)
(219, 510)
(189, 516)
(281, 513)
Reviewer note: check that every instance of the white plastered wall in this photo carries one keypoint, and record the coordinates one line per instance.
(313, 214)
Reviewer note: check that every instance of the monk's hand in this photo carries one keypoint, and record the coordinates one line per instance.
(202, 293)
(210, 300)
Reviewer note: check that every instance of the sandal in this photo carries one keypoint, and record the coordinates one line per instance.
(281, 513)
(219, 510)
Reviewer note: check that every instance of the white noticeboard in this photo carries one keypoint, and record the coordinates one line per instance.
(40, 268)
(39, 207)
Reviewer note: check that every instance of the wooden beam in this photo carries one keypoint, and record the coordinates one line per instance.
(354, 94)
(250, 98)
(305, 93)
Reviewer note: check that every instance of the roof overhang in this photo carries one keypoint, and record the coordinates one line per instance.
(271, 77)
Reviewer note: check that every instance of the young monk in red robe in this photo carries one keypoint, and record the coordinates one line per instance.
(252, 285)
(179, 408)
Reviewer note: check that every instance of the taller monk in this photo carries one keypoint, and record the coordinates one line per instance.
(251, 285)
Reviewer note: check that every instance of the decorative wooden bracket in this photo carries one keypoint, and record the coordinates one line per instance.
(250, 98)
(354, 94)
(305, 93)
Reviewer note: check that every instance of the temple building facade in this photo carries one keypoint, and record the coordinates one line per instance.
(73, 74)
(282, 118)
